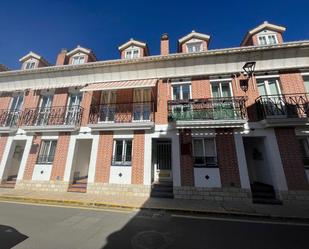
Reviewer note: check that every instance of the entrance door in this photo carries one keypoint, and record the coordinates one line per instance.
(163, 162)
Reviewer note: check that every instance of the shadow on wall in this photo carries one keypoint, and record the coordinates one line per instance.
(10, 237)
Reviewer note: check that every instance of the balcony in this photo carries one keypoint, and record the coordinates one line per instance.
(59, 118)
(8, 120)
(132, 116)
(283, 110)
(208, 113)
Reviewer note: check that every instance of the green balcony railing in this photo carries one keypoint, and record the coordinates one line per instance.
(229, 108)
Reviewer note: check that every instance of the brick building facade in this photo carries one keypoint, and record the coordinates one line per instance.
(172, 125)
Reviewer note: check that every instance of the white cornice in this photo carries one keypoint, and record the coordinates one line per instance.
(213, 62)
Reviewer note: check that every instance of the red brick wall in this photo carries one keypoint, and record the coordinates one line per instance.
(5, 100)
(32, 157)
(3, 140)
(32, 99)
(163, 95)
(62, 58)
(186, 161)
(104, 157)
(85, 104)
(60, 97)
(227, 158)
(138, 157)
(164, 47)
(61, 155)
(291, 159)
(292, 82)
(200, 88)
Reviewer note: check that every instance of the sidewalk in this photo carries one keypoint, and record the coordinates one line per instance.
(298, 210)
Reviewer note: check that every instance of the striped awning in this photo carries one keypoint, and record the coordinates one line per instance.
(114, 85)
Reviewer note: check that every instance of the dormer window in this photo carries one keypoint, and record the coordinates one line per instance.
(194, 47)
(267, 39)
(132, 54)
(76, 60)
(30, 65)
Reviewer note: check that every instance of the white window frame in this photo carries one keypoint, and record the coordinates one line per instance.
(194, 45)
(47, 155)
(306, 79)
(131, 51)
(266, 83)
(205, 152)
(124, 152)
(78, 59)
(73, 110)
(30, 65)
(267, 39)
(142, 105)
(220, 87)
(110, 106)
(181, 92)
(44, 111)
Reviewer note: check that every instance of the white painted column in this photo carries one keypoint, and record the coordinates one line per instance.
(176, 159)
(93, 158)
(147, 158)
(275, 160)
(23, 162)
(242, 163)
(69, 162)
(6, 155)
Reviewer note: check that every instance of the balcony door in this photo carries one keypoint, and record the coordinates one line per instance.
(73, 108)
(141, 105)
(273, 103)
(223, 106)
(15, 107)
(181, 92)
(108, 106)
(44, 110)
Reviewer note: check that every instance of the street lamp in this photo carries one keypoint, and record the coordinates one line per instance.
(249, 69)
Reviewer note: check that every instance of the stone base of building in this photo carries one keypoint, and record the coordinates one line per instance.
(213, 194)
(119, 189)
(56, 186)
(292, 196)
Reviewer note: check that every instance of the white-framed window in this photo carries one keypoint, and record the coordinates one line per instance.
(44, 109)
(194, 47)
(30, 65)
(221, 89)
(141, 104)
(270, 86)
(204, 152)
(47, 151)
(73, 108)
(108, 107)
(267, 39)
(80, 59)
(16, 102)
(306, 83)
(181, 91)
(122, 153)
(304, 148)
(132, 53)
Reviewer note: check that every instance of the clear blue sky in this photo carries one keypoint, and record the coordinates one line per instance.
(47, 26)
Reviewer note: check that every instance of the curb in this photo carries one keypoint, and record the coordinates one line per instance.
(94, 204)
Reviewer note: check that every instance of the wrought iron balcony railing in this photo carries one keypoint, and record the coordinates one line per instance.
(207, 109)
(59, 115)
(283, 106)
(9, 118)
(122, 113)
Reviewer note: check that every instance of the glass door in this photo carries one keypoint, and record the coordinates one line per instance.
(14, 110)
(108, 106)
(73, 108)
(44, 110)
(223, 106)
(141, 105)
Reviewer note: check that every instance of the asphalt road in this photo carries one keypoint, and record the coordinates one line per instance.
(48, 227)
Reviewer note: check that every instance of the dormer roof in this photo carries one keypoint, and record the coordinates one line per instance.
(132, 42)
(264, 25)
(194, 34)
(34, 55)
(83, 50)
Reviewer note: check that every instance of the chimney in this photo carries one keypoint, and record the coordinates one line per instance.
(62, 57)
(165, 50)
